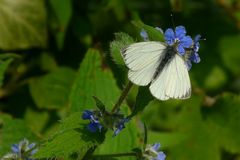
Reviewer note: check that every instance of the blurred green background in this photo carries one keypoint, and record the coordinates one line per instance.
(43, 43)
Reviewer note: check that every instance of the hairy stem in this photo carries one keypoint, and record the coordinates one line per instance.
(122, 97)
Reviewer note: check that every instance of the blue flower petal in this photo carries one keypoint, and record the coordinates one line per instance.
(180, 32)
(169, 36)
(94, 119)
(120, 126)
(186, 42)
(161, 156)
(30, 146)
(144, 35)
(33, 152)
(195, 58)
(15, 148)
(196, 43)
(156, 146)
(181, 49)
(87, 114)
(197, 38)
(92, 127)
(116, 132)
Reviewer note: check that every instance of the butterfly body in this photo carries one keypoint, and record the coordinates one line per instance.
(167, 56)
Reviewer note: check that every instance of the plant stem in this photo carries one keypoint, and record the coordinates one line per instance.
(122, 97)
(115, 155)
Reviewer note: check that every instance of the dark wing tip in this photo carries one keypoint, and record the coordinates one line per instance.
(123, 51)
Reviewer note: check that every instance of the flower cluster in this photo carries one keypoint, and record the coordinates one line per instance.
(178, 38)
(194, 56)
(151, 152)
(94, 117)
(185, 45)
(120, 125)
(98, 120)
(23, 150)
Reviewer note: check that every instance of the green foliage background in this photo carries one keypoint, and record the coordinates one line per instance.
(56, 54)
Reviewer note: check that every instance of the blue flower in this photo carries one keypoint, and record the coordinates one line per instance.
(94, 124)
(178, 38)
(194, 56)
(15, 148)
(22, 150)
(120, 125)
(151, 152)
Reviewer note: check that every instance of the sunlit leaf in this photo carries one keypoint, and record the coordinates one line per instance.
(93, 79)
(73, 138)
(23, 24)
(121, 41)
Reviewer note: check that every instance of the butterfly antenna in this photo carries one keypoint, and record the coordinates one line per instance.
(172, 19)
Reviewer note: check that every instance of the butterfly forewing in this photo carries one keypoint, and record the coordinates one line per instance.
(139, 55)
(142, 59)
(144, 76)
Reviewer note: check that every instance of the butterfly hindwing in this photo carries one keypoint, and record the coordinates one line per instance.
(173, 81)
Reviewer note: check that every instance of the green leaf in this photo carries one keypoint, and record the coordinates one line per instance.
(23, 24)
(143, 98)
(153, 34)
(99, 104)
(37, 120)
(47, 62)
(166, 139)
(216, 78)
(73, 138)
(230, 53)
(63, 17)
(121, 40)
(93, 79)
(223, 120)
(52, 90)
(3, 67)
(12, 131)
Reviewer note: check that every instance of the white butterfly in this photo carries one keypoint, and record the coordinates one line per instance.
(160, 65)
